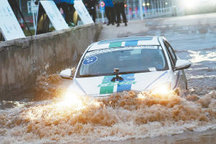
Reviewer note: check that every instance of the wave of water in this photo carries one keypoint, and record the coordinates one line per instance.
(118, 117)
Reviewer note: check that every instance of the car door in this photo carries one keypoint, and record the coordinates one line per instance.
(179, 75)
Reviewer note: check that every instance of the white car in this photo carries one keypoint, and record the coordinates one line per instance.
(124, 64)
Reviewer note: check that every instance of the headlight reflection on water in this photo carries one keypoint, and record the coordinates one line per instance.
(70, 104)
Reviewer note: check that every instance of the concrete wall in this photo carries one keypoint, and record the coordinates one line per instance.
(23, 60)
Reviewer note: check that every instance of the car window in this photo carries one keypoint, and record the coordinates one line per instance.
(170, 57)
(171, 51)
(128, 60)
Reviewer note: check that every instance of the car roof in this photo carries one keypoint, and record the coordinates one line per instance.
(126, 41)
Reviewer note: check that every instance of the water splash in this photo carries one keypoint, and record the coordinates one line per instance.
(197, 56)
(118, 117)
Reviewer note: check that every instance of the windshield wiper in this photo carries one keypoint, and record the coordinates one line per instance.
(134, 72)
(89, 75)
(106, 74)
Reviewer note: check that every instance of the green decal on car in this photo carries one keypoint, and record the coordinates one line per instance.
(115, 44)
(129, 80)
(117, 82)
(107, 86)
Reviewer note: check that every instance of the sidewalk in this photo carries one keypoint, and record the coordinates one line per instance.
(112, 31)
(204, 23)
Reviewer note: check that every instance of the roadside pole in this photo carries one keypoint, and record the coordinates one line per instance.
(102, 9)
(141, 10)
(33, 11)
(34, 23)
(36, 18)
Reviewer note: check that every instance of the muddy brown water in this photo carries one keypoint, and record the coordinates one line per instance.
(207, 137)
(123, 117)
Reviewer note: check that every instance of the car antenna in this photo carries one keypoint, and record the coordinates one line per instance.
(118, 78)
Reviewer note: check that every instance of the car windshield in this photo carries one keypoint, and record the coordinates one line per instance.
(128, 60)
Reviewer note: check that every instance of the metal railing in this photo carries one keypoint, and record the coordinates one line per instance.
(141, 9)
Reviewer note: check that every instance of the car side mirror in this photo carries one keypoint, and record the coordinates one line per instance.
(66, 74)
(182, 64)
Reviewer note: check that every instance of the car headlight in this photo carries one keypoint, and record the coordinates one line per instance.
(162, 89)
(73, 97)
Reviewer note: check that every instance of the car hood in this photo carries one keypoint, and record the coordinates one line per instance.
(102, 85)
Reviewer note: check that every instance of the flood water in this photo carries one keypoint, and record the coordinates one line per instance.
(118, 118)
(127, 117)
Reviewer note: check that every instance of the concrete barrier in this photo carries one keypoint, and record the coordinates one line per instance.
(23, 60)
